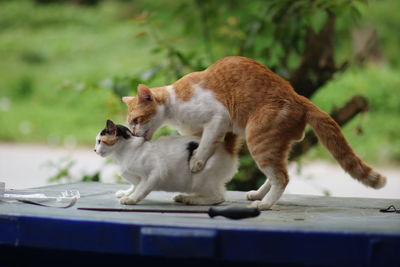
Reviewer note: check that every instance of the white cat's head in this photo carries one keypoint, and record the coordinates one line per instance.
(108, 139)
(145, 112)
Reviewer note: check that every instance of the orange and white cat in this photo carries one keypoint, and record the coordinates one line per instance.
(239, 95)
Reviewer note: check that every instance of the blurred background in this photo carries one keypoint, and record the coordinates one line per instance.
(66, 63)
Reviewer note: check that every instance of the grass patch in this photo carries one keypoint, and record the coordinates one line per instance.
(50, 55)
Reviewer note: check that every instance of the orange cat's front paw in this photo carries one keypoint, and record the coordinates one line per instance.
(127, 201)
(260, 205)
(253, 195)
(196, 165)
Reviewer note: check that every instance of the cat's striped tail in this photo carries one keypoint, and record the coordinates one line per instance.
(232, 143)
(330, 135)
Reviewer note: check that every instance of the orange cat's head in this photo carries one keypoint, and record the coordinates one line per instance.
(145, 115)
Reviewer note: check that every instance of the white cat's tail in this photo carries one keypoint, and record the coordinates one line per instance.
(232, 144)
(330, 135)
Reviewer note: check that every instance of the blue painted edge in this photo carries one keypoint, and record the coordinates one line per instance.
(309, 248)
(267, 246)
(8, 230)
(178, 242)
(69, 234)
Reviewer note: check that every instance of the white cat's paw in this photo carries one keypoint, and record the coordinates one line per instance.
(199, 200)
(196, 165)
(189, 200)
(127, 201)
(253, 195)
(260, 205)
(179, 198)
(120, 193)
(185, 199)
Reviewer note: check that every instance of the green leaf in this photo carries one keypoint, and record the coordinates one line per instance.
(91, 178)
(317, 20)
(140, 34)
(184, 60)
(156, 50)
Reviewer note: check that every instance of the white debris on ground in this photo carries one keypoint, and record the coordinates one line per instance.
(24, 166)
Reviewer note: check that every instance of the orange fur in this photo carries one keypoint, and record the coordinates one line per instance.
(272, 115)
(328, 132)
(160, 94)
(183, 87)
(144, 110)
(232, 143)
(109, 139)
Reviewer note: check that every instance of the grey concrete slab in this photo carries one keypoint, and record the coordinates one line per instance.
(291, 213)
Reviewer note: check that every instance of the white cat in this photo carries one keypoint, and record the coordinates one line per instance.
(164, 165)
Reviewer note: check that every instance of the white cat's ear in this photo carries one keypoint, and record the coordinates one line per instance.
(144, 93)
(111, 127)
(127, 99)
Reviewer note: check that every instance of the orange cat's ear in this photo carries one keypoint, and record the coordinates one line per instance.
(127, 99)
(144, 93)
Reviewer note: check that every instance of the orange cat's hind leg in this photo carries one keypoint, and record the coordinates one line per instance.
(260, 192)
(278, 179)
(269, 148)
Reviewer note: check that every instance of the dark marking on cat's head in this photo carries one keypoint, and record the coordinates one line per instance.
(191, 146)
(124, 131)
(117, 130)
(104, 132)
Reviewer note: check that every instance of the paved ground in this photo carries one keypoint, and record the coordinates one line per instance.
(23, 166)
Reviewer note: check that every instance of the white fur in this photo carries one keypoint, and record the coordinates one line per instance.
(202, 115)
(190, 117)
(163, 165)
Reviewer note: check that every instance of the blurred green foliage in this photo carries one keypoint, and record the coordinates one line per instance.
(272, 32)
(50, 56)
(62, 169)
(64, 66)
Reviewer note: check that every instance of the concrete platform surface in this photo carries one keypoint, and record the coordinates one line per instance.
(292, 212)
(298, 230)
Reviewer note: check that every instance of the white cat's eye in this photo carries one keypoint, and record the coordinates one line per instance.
(98, 141)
